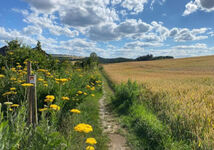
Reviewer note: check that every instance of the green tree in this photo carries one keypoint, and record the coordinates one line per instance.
(38, 46)
(14, 44)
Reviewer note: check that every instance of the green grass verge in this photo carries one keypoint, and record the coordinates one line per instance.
(145, 130)
(89, 114)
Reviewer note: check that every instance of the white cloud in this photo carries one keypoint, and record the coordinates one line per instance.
(140, 44)
(13, 34)
(32, 30)
(193, 6)
(136, 6)
(185, 34)
(115, 2)
(47, 22)
(112, 31)
(190, 8)
(195, 46)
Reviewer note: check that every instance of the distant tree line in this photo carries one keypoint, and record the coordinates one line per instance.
(151, 57)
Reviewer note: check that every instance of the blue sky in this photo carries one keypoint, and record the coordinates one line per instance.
(111, 28)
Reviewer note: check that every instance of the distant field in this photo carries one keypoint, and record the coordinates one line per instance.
(185, 88)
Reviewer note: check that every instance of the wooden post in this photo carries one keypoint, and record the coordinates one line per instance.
(32, 97)
(28, 94)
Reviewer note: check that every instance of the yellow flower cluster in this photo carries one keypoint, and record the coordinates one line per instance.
(43, 109)
(15, 105)
(2, 76)
(65, 98)
(79, 92)
(8, 103)
(9, 93)
(88, 86)
(82, 127)
(13, 89)
(49, 98)
(98, 81)
(91, 141)
(90, 148)
(75, 111)
(93, 88)
(13, 79)
(55, 107)
(40, 79)
(27, 84)
(42, 70)
(13, 69)
(61, 80)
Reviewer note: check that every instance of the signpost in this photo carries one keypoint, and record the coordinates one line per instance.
(32, 98)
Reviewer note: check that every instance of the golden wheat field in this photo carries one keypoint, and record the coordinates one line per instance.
(188, 88)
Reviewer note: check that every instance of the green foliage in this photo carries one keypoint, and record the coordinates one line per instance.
(50, 133)
(14, 44)
(146, 131)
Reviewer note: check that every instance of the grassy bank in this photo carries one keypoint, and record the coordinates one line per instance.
(145, 130)
(67, 97)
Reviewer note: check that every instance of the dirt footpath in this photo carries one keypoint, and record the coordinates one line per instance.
(111, 127)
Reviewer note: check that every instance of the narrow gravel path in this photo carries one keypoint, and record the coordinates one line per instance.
(111, 127)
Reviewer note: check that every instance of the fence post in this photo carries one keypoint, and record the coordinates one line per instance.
(32, 97)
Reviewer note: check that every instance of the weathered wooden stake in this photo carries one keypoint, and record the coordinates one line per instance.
(32, 97)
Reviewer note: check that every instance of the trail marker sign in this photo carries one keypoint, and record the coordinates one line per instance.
(32, 79)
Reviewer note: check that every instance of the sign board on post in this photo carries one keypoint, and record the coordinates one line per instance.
(32, 79)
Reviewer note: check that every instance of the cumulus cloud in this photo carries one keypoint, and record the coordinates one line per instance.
(12, 34)
(193, 6)
(190, 8)
(185, 34)
(32, 30)
(104, 32)
(136, 6)
(47, 22)
(195, 46)
(140, 44)
(112, 31)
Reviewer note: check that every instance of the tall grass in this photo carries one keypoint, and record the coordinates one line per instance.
(82, 88)
(180, 93)
(147, 131)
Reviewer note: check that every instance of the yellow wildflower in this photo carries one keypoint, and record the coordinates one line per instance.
(13, 79)
(13, 89)
(88, 86)
(19, 66)
(65, 98)
(90, 148)
(27, 84)
(85, 93)
(91, 141)
(13, 69)
(43, 109)
(41, 70)
(82, 127)
(10, 109)
(55, 107)
(40, 79)
(79, 92)
(2, 76)
(92, 95)
(15, 105)
(93, 88)
(8, 103)
(75, 111)
(49, 98)
(6, 93)
(46, 85)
